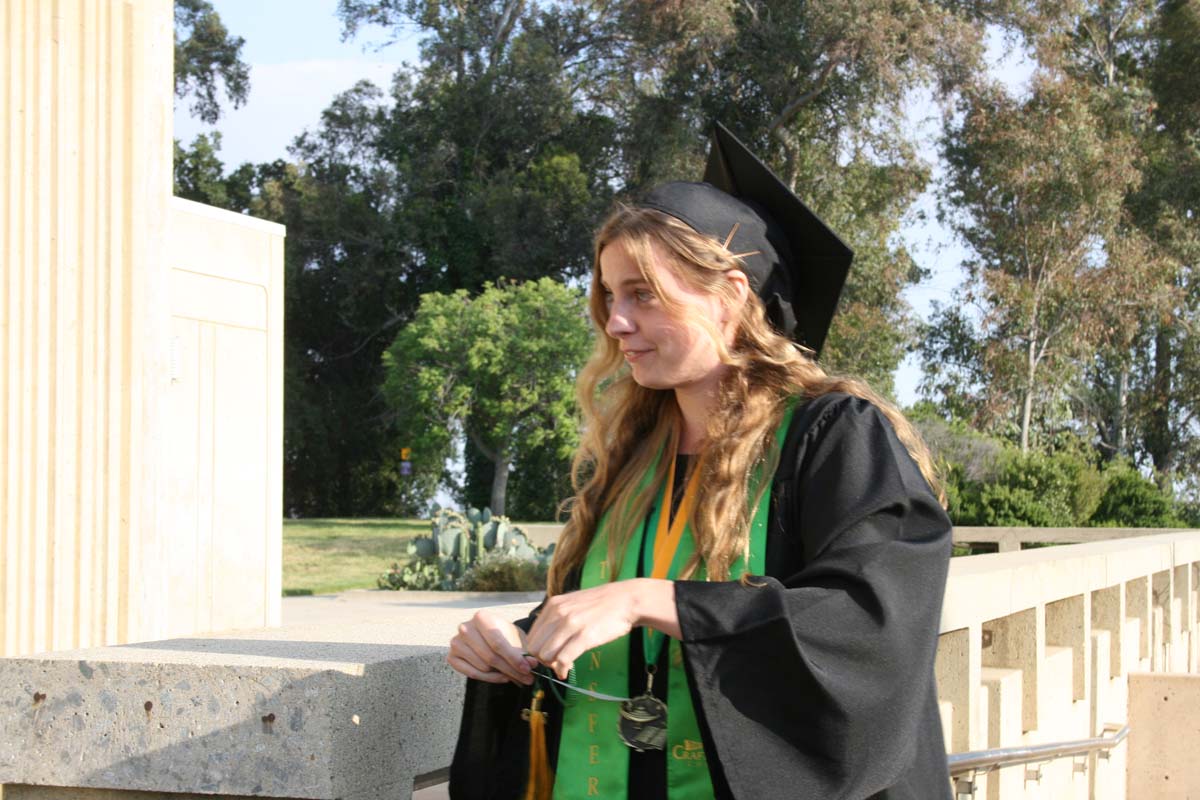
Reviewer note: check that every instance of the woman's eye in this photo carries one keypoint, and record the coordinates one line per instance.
(608, 299)
(643, 296)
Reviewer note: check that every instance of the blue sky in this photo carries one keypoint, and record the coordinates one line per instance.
(298, 63)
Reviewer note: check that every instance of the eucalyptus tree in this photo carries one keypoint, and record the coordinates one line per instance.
(1168, 209)
(1140, 58)
(208, 60)
(1035, 189)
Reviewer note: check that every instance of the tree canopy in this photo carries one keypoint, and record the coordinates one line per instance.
(208, 60)
(498, 368)
(489, 164)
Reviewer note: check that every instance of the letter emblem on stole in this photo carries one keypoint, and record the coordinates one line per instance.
(688, 751)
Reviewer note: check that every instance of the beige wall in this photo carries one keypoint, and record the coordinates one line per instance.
(97, 546)
(224, 406)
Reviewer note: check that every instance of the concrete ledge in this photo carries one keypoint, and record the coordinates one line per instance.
(325, 710)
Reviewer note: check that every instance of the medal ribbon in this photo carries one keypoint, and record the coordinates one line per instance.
(592, 759)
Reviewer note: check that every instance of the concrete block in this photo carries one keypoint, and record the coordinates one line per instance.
(1159, 642)
(957, 678)
(351, 711)
(541, 534)
(945, 713)
(1099, 700)
(1018, 642)
(1108, 613)
(1131, 635)
(1056, 715)
(1164, 736)
(1069, 624)
(27, 792)
(1137, 606)
(1005, 696)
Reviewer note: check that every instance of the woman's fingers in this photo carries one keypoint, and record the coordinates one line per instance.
(486, 655)
(462, 650)
(547, 650)
(565, 634)
(466, 668)
(489, 644)
(571, 650)
(508, 650)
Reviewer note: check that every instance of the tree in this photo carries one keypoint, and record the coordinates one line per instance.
(1035, 188)
(200, 176)
(349, 272)
(1167, 208)
(817, 90)
(498, 367)
(207, 59)
(1140, 57)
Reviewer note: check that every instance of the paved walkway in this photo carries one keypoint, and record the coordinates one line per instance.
(373, 605)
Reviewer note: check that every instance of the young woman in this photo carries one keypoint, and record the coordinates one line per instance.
(745, 600)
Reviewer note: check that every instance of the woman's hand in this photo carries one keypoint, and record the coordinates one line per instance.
(488, 648)
(571, 624)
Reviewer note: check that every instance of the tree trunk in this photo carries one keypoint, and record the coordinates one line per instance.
(1027, 406)
(1159, 442)
(500, 483)
(1122, 438)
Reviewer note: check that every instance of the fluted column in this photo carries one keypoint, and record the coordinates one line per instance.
(85, 178)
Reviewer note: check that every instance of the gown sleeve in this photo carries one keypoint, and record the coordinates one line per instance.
(819, 681)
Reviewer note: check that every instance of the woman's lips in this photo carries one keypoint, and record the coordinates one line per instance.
(633, 355)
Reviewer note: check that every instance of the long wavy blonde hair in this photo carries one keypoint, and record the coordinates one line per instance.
(626, 426)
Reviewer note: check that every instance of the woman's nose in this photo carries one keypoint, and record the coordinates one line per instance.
(618, 323)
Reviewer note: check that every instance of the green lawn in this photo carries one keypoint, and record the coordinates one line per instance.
(329, 555)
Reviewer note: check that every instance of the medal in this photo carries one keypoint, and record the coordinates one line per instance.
(642, 721)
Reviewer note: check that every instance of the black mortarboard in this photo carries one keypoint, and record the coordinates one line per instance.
(795, 263)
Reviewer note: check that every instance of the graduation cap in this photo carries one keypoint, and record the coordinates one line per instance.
(794, 262)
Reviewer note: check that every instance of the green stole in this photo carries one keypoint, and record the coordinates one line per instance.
(592, 760)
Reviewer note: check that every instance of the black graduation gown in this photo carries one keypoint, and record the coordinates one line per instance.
(818, 684)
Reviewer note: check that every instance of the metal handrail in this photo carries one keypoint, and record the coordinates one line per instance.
(987, 760)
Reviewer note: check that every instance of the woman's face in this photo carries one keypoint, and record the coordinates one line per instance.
(663, 351)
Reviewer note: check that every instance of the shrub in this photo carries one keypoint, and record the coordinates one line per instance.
(497, 572)
(419, 574)
(1035, 490)
(1134, 501)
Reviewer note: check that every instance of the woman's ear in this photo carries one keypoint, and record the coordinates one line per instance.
(741, 290)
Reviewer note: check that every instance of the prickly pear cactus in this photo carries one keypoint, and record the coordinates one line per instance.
(491, 535)
(423, 547)
(458, 542)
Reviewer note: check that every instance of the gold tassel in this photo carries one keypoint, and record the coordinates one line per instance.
(541, 779)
